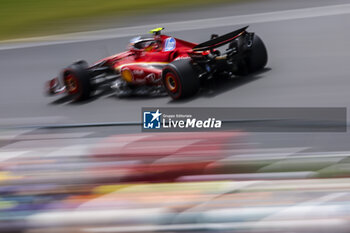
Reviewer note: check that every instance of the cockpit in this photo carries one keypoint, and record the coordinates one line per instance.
(143, 44)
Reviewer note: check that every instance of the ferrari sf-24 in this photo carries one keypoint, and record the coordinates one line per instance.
(161, 64)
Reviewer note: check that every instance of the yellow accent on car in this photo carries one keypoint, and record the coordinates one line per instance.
(127, 75)
(156, 30)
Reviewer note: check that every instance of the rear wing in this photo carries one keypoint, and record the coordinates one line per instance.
(220, 41)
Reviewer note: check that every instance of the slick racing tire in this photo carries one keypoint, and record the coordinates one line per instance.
(77, 81)
(180, 79)
(256, 58)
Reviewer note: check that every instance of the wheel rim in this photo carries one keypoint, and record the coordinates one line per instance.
(171, 82)
(71, 83)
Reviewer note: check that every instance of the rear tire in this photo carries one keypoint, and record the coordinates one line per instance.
(180, 79)
(77, 81)
(256, 58)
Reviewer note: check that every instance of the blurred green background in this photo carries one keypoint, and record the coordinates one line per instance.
(26, 18)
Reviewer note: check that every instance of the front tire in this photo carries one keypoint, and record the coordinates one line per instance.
(77, 82)
(180, 79)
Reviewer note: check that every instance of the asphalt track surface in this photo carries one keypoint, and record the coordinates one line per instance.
(308, 64)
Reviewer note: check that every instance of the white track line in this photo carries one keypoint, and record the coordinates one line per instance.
(7, 155)
(306, 225)
(48, 136)
(95, 217)
(180, 26)
(317, 155)
(12, 134)
(23, 121)
(249, 176)
(310, 208)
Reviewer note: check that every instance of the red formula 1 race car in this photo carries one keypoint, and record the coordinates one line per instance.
(163, 64)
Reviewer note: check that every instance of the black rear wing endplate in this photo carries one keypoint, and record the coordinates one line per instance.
(219, 41)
